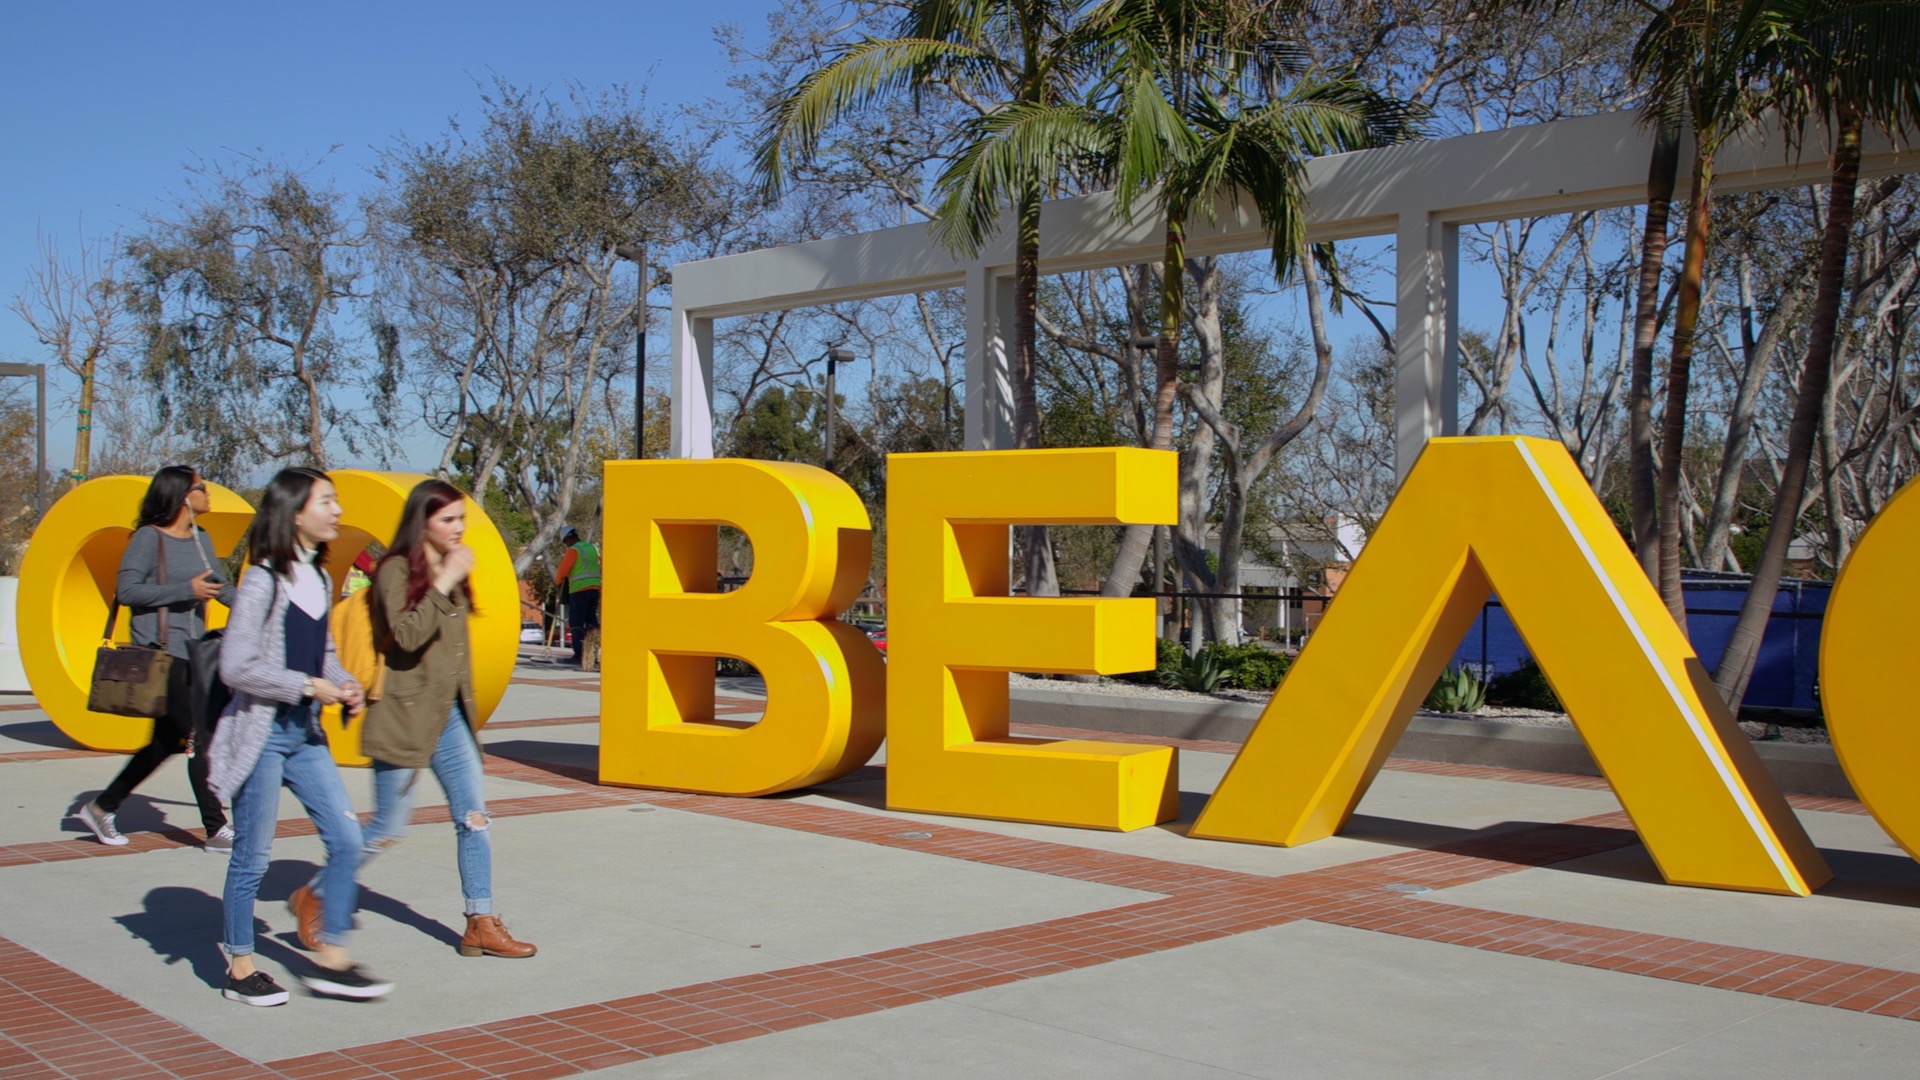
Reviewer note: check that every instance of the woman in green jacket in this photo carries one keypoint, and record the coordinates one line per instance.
(425, 715)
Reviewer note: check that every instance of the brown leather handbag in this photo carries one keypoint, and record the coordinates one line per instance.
(131, 680)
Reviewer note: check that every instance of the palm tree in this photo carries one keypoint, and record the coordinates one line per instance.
(1027, 59)
(1843, 64)
(1694, 58)
(1180, 71)
(1643, 494)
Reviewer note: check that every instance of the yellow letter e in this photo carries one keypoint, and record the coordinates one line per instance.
(954, 633)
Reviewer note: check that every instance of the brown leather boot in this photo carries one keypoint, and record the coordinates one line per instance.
(306, 908)
(488, 936)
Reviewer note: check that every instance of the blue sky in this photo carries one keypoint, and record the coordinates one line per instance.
(106, 103)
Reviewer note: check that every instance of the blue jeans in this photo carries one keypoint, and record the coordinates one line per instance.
(456, 764)
(296, 754)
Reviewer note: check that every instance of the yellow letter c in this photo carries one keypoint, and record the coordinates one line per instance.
(67, 580)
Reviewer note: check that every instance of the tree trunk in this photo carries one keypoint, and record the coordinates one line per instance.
(83, 419)
(1136, 539)
(1661, 174)
(1197, 462)
(1743, 647)
(1041, 576)
(1758, 356)
(1673, 420)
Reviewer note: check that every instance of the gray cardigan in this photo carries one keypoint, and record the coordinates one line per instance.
(253, 664)
(139, 588)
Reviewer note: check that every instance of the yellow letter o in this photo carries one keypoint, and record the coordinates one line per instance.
(370, 504)
(1867, 650)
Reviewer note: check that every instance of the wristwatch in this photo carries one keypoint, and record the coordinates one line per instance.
(306, 688)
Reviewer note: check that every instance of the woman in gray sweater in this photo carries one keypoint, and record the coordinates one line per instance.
(169, 572)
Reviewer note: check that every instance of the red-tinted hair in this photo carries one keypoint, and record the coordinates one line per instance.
(427, 498)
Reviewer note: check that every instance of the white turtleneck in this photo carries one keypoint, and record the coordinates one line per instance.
(307, 588)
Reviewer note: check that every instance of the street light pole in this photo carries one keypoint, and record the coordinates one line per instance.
(637, 254)
(835, 357)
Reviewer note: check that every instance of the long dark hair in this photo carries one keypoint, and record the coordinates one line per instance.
(272, 540)
(427, 498)
(165, 496)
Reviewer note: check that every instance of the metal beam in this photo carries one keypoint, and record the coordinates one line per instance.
(1566, 166)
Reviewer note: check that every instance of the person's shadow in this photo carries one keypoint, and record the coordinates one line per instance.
(180, 923)
(140, 813)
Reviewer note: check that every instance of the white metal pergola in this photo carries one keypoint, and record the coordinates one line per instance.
(1420, 193)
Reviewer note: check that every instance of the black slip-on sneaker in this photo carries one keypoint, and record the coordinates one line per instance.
(352, 981)
(256, 989)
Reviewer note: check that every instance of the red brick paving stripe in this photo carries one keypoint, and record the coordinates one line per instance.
(86, 847)
(52, 755)
(1854, 987)
(19, 706)
(1828, 804)
(746, 1006)
(61, 1024)
(1199, 904)
(690, 1017)
(553, 721)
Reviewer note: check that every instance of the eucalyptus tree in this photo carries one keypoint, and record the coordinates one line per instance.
(77, 308)
(236, 292)
(1843, 64)
(1214, 101)
(506, 298)
(1025, 62)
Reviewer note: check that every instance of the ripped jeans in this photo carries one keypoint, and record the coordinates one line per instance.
(456, 764)
(296, 755)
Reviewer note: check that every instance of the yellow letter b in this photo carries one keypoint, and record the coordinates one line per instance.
(663, 621)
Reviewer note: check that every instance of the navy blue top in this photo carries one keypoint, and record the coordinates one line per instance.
(306, 642)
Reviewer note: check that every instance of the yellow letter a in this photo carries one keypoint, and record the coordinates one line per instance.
(662, 622)
(1515, 514)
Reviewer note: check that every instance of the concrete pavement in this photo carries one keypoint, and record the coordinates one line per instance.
(1472, 922)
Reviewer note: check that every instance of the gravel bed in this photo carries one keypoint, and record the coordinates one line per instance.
(1531, 717)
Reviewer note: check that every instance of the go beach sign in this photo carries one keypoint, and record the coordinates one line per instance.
(1707, 810)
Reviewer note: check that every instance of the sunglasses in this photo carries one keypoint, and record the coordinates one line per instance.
(196, 487)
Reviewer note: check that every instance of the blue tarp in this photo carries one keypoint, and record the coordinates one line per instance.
(1789, 663)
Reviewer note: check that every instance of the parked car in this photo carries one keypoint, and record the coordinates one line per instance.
(531, 633)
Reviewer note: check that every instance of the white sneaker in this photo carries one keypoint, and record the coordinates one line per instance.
(101, 823)
(221, 842)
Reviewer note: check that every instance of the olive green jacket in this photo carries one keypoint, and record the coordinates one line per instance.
(429, 661)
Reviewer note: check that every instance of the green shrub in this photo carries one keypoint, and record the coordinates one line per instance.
(1458, 690)
(1199, 673)
(1251, 666)
(1239, 667)
(1526, 687)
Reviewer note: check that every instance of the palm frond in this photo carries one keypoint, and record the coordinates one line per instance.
(861, 74)
(1859, 56)
(1149, 135)
(1020, 148)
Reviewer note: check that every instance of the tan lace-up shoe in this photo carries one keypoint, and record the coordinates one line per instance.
(306, 908)
(488, 936)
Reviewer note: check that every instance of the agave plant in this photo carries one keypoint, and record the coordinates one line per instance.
(1458, 690)
(1200, 673)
